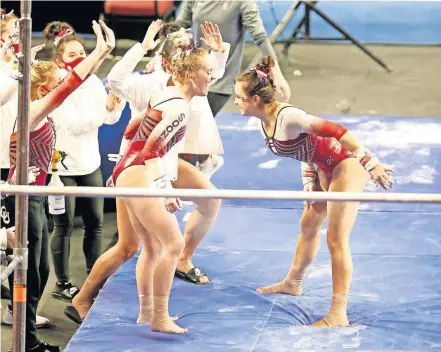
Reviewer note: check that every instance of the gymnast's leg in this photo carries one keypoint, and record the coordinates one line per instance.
(201, 219)
(109, 262)
(348, 176)
(306, 249)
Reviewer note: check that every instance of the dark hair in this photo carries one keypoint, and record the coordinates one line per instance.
(168, 28)
(260, 84)
(60, 33)
(173, 38)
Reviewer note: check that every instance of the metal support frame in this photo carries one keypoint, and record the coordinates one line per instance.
(21, 240)
(305, 23)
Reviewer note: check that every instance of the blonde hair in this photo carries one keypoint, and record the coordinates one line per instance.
(5, 18)
(60, 33)
(186, 59)
(42, 74)
(260, 85)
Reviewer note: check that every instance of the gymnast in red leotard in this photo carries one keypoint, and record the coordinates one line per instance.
(162, 128)
(343, 165)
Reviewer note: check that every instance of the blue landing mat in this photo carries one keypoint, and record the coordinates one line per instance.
(395, 301)
(411, 145)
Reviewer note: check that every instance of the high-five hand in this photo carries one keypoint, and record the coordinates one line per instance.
(149, 42)
(106, 45)
(212, 37)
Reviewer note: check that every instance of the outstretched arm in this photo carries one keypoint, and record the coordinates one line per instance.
(137, 89)
(42, 107)
(254, 25)
(301, 122)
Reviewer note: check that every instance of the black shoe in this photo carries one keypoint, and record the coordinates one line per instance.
(65, 291)
(42, 347)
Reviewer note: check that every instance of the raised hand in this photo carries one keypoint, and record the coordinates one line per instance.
(103, 45)
(212, 37)
(149, 42)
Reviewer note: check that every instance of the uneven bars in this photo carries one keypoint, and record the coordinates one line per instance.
(112, 192)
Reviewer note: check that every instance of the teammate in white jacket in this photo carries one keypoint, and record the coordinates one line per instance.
(201, 137)
(77, 122)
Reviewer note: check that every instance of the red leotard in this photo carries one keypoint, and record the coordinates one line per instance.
(307, 138)
(42, 140)
(160, 129)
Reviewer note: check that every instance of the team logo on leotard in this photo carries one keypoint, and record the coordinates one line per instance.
(173, 131)
(329, 161)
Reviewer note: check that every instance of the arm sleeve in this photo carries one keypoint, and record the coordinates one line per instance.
(253, 23)
(220, 61)
(298, 121)
(44, 106)
(134, 88)
(8, 87)
(185, 17)
(99, 98)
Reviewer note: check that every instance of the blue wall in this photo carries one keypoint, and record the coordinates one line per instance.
(375, 22)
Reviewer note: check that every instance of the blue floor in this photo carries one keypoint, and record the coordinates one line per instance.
(395, 301)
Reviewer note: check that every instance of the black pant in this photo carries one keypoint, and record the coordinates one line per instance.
(7, 220)
(38, 261)
(92, 212)
(217, 101)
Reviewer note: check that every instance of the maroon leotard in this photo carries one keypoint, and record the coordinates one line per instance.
(308, 139)
(42, 140)
(161, 128)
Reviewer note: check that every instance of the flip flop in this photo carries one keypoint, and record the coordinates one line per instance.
(73, 315)
(193, 276)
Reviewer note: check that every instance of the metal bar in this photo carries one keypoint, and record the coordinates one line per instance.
(279, 28)
(21, 240)
(347, 35)
(112, 192)
(308, 21)
(293, 38)
(312, 39)
(12, 265)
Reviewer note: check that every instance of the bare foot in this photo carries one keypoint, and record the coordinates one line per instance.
(293, 288)
(81, 306)
(186, 265)
(332, 321)
(148, 319)
(167, 326)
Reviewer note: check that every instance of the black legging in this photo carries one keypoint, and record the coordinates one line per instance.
(38, 261)
(92, 211)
